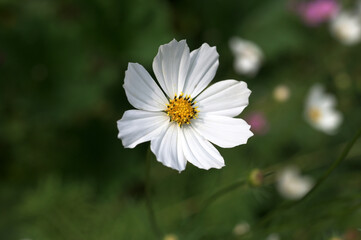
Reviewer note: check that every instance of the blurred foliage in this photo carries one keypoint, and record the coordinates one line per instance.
(64, 174)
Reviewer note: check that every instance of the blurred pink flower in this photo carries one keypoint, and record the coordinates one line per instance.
(316, 12)
(258, 122)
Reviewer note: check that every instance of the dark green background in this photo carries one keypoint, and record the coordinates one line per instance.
(65, 175)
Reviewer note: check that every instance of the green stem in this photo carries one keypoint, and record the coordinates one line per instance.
(215, 196)
(222, 191)
(333, 166)
(151, 213)
(227, 189)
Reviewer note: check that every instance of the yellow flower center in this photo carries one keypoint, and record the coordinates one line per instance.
(314, 114)
(181, 109)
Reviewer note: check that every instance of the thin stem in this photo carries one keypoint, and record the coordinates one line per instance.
(226, 189)
(151, 213)
(333, 166)
(223, 191)
(215, 196)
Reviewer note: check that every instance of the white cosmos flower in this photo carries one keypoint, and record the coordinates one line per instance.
(292, 185)
(320, 112)
(346, 27)
(184, 118)
(248, 56)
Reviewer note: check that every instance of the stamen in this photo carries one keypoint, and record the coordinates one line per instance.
(314, 114)
(181, 109)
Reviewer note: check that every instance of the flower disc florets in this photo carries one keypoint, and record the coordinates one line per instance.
(181, 109)
(314, 114)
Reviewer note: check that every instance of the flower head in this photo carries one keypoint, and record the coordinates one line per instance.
(256, 178)
(181, 117)
(346, 27)
(316, 12)
(292, 185)
(320, 112)
(248, 56)
(258, 122)
(281, 93)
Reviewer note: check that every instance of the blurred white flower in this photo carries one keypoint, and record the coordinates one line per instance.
(248, 56)
(292, 185)
(273, 236)
(179, 128)
(320, 112)
(281, 93)
(346, 27)
(241, 229)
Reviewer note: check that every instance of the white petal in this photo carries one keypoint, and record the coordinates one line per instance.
(137, 126)
(319, 98)
(248, 56)
(330, 121)
(223, 131)
(248, 66)
(292, 185)
(315, 94)
(142, 91)
(241, 47)
(170, 66)
(227, 98)
(202, 68)
(199, 151)
(328, 101)
(168, 148)
(346, 27)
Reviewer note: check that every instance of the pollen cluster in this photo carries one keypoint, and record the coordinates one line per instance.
(314, 114)
(181, 109)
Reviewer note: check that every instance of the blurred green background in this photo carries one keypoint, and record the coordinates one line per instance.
(65, 175)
